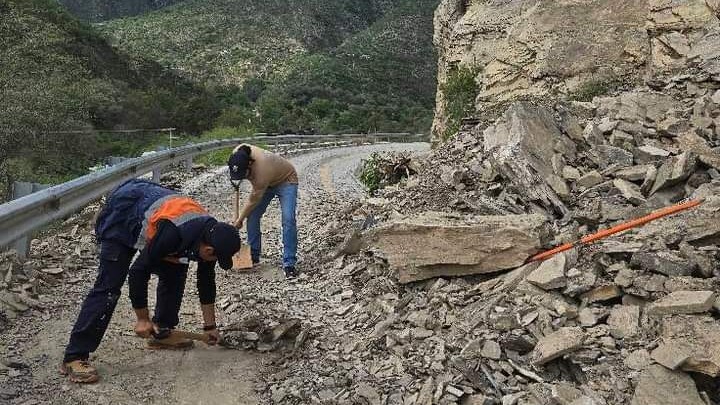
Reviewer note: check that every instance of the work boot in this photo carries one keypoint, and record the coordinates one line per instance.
(290, 272)
(80, 371)
(172, 342)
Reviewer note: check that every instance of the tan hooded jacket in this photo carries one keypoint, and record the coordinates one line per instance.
(267, 169)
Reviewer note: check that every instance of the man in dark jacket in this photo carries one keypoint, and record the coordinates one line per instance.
(169, 230)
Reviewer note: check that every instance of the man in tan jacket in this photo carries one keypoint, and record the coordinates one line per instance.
(270, 175)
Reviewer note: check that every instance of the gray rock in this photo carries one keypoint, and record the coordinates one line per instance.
(605, 155)
(550, 274)
(522, 145)
(660, 386)
(438, 245)
(652, 283)
(607, 125)
(683, 302)
(634, 173)
(364, 390)
(558, 344)
(565, 394)
(477, 399)
(671, 355)
(570, 125)
(629, 191)
(649, 181)
(558, 185)
(691, 142)
(648, 154)
(690, 343)
(624, 321)
(491, 350)
(625, 277)
(593, 135)
(590, 179)
(662, 262)
(622, 139)
(579, 282)
(602, 293)
(587, 317)
(716, 97)
(426, 392)
(512, 399)
(638, 360)
(674, 171)
(571, 173)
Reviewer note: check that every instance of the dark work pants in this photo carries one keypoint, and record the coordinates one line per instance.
(100, 303)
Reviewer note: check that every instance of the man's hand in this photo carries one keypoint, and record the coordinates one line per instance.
(213, 336)
(144, 328)
(239, 223)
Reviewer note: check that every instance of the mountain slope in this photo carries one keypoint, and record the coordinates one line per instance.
(101, 10)
(299, 58)
(59, 74)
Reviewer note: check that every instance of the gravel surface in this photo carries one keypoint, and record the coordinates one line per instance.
(31, 345)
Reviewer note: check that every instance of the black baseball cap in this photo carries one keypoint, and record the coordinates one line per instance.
(225, 239)
(238, 164)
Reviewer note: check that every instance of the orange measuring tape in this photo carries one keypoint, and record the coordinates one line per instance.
(586, 240)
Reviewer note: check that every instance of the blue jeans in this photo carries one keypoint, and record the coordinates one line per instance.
(287, 194)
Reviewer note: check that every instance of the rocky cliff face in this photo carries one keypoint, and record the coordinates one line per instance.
(569, 49)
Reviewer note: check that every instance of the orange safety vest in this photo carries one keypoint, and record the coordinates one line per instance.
(176, 208)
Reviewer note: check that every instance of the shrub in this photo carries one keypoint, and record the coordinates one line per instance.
(460, 91)
(595, 87)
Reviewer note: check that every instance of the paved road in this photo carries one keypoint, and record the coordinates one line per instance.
(132, 374)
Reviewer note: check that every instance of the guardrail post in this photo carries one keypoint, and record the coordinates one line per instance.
(156, 175)
(21, 189)
(188, 163)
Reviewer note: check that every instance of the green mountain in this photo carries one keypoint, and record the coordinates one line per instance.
(286, 65)
(102, 10)
(59, 74)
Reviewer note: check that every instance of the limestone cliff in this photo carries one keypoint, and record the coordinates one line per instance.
(569, 49)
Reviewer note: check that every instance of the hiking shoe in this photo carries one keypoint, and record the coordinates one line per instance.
(80, 371)
(172, 342)
(290, 272)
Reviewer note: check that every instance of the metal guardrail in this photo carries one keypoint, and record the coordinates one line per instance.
(19, 218)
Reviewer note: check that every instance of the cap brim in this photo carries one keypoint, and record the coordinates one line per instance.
(236, 176)
(225, 263)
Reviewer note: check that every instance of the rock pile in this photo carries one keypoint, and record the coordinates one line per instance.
(629, 320)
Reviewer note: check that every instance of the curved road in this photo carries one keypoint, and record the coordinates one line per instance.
(203, 375)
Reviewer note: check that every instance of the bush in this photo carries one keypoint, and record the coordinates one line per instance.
(382, 170)
(460, 91)
(595, 87)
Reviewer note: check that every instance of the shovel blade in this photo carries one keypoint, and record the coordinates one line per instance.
(242, 259)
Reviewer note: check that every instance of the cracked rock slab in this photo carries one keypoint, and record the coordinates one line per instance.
(683, 302)
(558, 344)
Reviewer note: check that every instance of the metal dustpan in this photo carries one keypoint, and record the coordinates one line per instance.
(242, 260)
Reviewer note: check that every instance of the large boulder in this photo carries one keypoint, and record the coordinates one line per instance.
(522, 145)
(437, 245)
